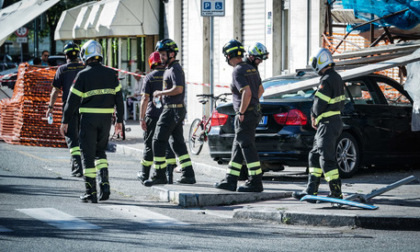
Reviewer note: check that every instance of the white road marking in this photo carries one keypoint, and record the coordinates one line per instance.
(5, 229)
(58, 219)
(144, 216)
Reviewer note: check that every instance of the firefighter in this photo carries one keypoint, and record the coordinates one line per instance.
(256, 54)
(326, 119)
(149, 116)
(171, 120)
(246, 89)
(96, 91)
(63, 80)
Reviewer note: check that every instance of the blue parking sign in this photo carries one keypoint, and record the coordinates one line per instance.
(207, 5)
(212, 8)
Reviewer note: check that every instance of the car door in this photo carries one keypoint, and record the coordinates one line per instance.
(403, 142)
(366, 117)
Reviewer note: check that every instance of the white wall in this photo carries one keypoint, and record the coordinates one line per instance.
(229, 27)
(298, 39)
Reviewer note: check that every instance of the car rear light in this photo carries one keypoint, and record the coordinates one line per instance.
(218, 119)
(292, 117)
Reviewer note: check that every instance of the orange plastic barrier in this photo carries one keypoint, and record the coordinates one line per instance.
(22, 117)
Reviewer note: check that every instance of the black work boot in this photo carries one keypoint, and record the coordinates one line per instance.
(157, 179)
(144, 174)
(76, 166)
(254, 184)
(244, 173)
(335, 189)
(90, 194)
(229, 183)
(188, 176)
(169, 173)
(104, 188)
(311, 188)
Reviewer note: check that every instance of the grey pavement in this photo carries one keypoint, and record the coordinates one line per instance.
(399, 209)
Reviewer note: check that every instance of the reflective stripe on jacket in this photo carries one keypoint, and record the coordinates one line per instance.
(329, 98)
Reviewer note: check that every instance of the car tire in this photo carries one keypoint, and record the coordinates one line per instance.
(347, 155)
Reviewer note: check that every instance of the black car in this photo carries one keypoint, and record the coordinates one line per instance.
(56, 60)
(377, 126)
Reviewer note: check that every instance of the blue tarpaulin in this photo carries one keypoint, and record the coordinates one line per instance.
(372, 9)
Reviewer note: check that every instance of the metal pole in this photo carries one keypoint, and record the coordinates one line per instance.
(374, 193)
(211, 62)
(21, 52)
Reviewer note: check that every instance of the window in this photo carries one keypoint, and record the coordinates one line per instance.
(360, 93)
(392, 95)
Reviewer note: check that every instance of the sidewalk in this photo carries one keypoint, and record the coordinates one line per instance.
(398, 208)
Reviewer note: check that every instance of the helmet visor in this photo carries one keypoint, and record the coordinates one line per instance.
(261, 57)
(313, 62)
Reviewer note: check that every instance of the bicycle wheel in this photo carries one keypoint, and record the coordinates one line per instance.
(195, 137)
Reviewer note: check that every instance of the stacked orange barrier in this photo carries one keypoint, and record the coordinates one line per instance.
(22, 117)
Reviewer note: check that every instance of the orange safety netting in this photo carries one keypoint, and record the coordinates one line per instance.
(22, 117)
(355, 42)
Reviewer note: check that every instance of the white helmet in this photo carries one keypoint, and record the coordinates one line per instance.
(91, 49)
(322, 59)
(258, 50)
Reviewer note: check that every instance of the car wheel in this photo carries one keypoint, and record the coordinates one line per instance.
(348, 155)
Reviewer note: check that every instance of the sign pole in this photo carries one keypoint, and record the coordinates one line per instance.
(211, 62)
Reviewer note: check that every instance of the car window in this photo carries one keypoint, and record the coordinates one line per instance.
(359, 91)
(392, 95)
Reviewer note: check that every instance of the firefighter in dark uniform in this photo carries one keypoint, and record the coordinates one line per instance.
(326, 119)
(149, 115)
(171, 120)
(256, 54)
(63, 80)
(95, 92)
(246, 89)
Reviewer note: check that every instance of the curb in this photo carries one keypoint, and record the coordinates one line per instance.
(297, 218)
(208, 198)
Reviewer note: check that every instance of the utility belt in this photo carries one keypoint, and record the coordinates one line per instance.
(174, 106)
(256, 107)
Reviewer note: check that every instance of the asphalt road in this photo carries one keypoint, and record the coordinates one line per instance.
(40, 211)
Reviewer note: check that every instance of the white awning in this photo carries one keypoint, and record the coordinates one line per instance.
(65, 25)
(92, 21)
(19, 14)
(129, 18)
(114, 18)
(79, 31)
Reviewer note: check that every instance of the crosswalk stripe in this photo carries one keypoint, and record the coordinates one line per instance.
(58, 219)
(147, 217)
(5, 229)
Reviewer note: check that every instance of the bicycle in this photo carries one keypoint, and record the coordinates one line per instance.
(200, 128)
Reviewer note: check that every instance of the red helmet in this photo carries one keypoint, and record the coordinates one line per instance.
(154, 60)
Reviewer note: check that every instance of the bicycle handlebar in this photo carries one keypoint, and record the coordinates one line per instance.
(212, 96)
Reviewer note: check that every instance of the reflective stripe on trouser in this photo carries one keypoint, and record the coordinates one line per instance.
(169, 129)
(75, 151)
(94, 134)
(148, 144)
(324, 147)
(244, 145)
(317, 172)
(72, 134)
(89, 172)
(101, 163)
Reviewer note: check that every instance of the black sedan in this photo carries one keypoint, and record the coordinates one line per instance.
(377, 126)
